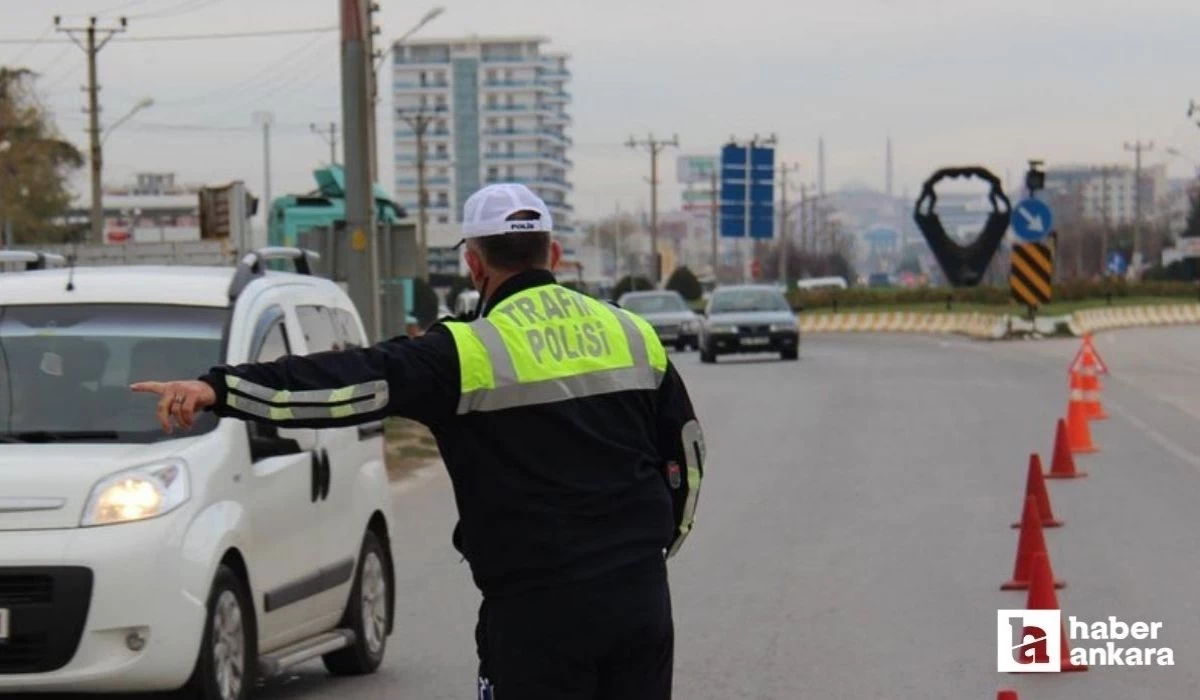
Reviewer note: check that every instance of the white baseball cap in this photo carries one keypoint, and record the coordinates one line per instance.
(486, 212)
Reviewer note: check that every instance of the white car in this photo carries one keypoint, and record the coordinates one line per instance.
(132, 560)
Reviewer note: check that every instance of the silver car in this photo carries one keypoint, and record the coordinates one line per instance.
(676, 324)
(749, 318)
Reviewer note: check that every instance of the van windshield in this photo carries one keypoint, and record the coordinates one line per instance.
(65, 369)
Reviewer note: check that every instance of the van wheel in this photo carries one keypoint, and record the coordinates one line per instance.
(368, 614)
(707, 356)
(227, 667)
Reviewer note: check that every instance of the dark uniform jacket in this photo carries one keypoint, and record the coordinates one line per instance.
(547, 495)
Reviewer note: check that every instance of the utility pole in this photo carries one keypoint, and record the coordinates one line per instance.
(329, 136)
(655, 147)
(804, 200)
(265, 119)
(618, 229)
(785, 235)
(91, 47)
(1137, 147)
(715, 224)
(1105, 214)
(373, 86)
(363, 264)
(419, 121)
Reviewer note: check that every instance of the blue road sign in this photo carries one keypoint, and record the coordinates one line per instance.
(1116, 263)
(1032, 220)
(745, 169)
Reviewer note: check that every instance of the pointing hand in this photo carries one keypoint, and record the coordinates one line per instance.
(178, 400)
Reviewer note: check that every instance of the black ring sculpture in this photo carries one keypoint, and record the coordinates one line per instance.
(963, 265)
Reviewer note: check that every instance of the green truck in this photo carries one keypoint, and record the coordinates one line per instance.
(291, 215)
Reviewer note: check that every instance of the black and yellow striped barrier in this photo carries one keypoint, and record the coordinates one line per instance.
(1032, 275)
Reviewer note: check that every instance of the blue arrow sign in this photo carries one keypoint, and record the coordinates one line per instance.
(1116, 263)
(1032, 220)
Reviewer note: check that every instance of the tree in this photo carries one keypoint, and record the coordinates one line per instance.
(910, 264)
(684, 281)
(35, 162)
(631, 284)
(1192, 230)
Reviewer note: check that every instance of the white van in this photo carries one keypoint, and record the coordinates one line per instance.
(133, 560)
(813, 283)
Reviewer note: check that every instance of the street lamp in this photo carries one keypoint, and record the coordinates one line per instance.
(141, 104)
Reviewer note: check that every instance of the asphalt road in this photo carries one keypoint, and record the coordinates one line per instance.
(854, 526)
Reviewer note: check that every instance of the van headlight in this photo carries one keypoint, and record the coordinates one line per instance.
(782, 327)
(722, 329)
(138, 494)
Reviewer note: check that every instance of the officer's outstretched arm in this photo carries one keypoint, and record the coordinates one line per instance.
(681, 445)
(416, 378)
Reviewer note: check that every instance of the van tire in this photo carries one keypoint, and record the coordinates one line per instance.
(371, 592)
(228, 599)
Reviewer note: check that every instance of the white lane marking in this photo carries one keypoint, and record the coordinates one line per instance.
(1166, 443)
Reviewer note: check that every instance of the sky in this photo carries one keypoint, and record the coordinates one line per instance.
(951, 82)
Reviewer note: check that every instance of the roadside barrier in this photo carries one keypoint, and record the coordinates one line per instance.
(1092, 320)
(994, 326)
(976, 325)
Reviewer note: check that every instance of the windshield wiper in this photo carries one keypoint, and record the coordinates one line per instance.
(40, 436)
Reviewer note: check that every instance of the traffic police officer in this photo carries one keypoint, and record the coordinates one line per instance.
(570, 440)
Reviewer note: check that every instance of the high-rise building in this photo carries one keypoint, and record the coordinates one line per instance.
(1108, 191)
(498, 111)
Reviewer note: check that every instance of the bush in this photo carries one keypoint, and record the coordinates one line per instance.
(1080, 290)
(684, 281)
(631, 283)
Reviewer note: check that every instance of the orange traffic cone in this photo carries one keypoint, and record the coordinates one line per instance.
(1042, 597)
(1007, 695)
(1101, 366)
(1063, 464)
(1035, 487)
(1029, 544)
(1090, 388)
(1079, 435)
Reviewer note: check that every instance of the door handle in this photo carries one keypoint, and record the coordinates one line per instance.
(327, 473)
(316, 476)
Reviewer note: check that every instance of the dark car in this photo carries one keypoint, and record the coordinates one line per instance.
(749, 318)
(675, 323)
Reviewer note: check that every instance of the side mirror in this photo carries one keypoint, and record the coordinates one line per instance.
(268, 441)
(305, 438)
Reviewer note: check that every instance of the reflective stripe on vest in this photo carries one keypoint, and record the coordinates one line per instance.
(549, 344)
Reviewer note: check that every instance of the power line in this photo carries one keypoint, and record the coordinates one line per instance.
(29, 49)
(194, 37)
(123, 6)
(184, 8)
(253, 81)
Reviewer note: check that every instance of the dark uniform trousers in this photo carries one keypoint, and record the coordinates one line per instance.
(601, 640)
